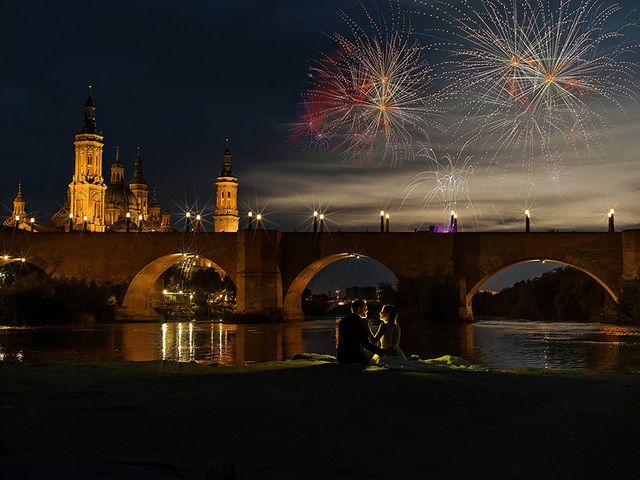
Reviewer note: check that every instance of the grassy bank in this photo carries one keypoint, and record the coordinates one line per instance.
(306, 420)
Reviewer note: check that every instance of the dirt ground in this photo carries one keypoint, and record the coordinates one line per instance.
(313, 420)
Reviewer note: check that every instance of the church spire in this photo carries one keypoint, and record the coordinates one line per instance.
(139, 187)
(19, 196)
(138, 177)
(117, 169)
(227, 170)
(89, 115)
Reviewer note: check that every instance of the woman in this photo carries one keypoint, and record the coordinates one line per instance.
(389, 335)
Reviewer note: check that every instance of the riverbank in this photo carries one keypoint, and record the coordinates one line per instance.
(313, 420)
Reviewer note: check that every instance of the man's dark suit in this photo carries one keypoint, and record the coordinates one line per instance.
(352, 339)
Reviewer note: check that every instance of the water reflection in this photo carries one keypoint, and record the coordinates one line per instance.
(557, 345)
(498, 344)
(226, 344)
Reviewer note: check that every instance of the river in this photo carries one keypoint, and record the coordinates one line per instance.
(495, 343)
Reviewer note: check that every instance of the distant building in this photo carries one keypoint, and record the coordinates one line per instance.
(20, 219)
(93, 205)
(18, 215)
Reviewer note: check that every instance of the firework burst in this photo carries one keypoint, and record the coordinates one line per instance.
(537, 75)
(448, 181)
(369, 99)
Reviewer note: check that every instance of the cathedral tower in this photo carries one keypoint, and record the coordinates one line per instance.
(225, 217)
(87, 188)
(19, 206)
(139, 187)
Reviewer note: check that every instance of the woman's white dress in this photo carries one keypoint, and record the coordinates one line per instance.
(390, 340)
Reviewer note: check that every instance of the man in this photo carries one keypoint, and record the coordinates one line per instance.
(353, 336)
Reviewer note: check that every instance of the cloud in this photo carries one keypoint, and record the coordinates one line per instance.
(579, 200)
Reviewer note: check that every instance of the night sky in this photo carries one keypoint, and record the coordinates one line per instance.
(177, 78)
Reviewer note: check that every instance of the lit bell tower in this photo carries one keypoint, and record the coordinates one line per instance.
(87, 188)
(225, 216)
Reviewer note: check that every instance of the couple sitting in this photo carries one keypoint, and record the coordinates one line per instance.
(354, 336)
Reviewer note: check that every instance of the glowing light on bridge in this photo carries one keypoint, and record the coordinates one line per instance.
(611, 217)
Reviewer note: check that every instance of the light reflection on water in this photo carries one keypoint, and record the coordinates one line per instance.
(495, 343)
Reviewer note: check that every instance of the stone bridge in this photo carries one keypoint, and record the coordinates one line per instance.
(271, 269)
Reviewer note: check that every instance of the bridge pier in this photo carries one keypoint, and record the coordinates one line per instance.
(630, 255)
(465, 309)
(258, 278)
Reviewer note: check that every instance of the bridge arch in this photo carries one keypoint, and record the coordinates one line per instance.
(142, 295)
(471, 292)
(292, 304)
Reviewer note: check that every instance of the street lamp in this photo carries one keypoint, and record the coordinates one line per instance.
(250, 224)
(140, 222)
(187, 226)
(258, 221)
(387, 223)
(322, 222)
(612, 222)
(381, 221)
(453, 214)
(85, 219)
(315, 221)
(527, 221)
(32, 222)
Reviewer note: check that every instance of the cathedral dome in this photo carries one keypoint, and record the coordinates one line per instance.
(119, 195)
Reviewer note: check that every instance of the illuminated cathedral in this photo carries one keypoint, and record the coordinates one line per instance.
(92, 204)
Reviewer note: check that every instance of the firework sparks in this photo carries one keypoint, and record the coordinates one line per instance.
(370, 96)
(537, 75)
(448, 181)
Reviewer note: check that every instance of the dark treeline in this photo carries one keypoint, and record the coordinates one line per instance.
(563, 294)
(39, 299)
